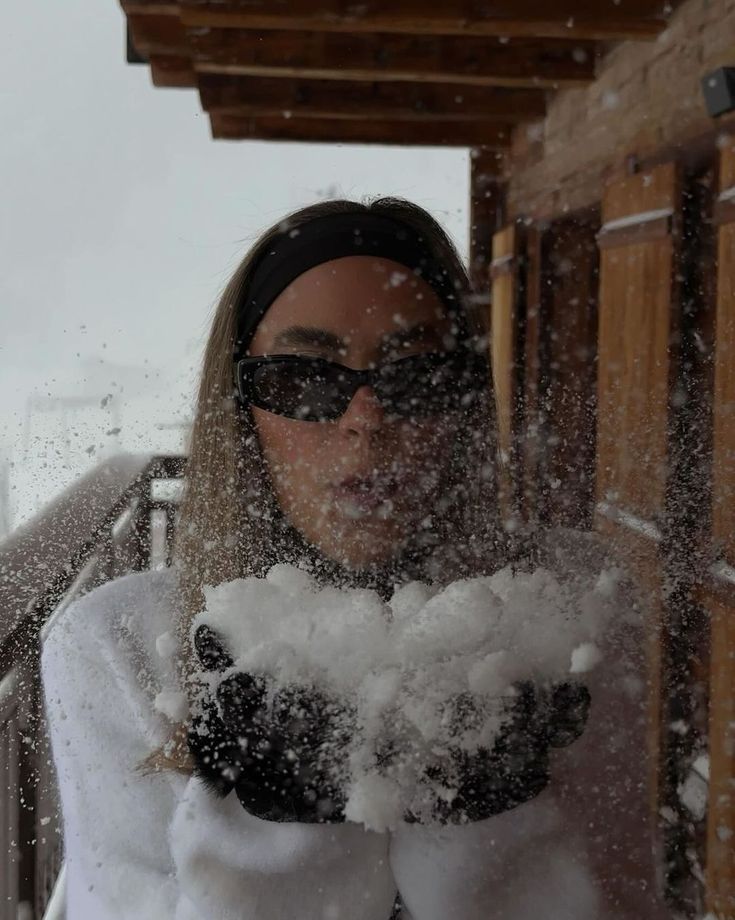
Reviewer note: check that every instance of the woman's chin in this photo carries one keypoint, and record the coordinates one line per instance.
(367, 542)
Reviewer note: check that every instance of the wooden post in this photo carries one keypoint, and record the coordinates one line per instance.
(487, 206)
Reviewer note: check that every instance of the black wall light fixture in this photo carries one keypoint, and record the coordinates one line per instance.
(719, 91)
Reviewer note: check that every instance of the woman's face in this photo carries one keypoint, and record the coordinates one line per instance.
(359, 486)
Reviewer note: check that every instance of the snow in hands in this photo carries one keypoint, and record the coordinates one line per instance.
(430, 675)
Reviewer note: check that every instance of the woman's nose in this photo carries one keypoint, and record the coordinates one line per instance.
(364, 412)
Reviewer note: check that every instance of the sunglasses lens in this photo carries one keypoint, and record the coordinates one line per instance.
(427, 385)
(303, 391)
(417, 386)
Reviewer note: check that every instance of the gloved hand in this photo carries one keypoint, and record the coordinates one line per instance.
(283, 756)
(486, 781)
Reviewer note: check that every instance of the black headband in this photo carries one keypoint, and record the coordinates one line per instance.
(334, 236)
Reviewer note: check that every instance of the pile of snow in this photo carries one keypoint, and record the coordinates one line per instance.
(403, 665)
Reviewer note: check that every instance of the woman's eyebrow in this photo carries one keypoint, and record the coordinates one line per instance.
(308, 335)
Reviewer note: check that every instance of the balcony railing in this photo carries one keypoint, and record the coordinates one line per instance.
(119, 518)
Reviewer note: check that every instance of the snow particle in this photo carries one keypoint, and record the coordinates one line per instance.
(584, 658)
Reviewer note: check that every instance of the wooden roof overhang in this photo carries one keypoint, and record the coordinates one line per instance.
(449, 72)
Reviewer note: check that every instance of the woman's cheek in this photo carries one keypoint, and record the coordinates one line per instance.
(428, 446)
(301, 472)
(290, 454)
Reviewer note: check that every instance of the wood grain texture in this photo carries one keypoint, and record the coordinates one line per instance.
(655, 229)
(634, 330)
(653, 190)
(159, 32)
(721, 800)
(723, 510)
(599, 19)
(168, 70)
(354, 100)
(637, 316)
(568, 305)
(486, 217)
(727, 163)
(637, 312)
(720, 599)
(504, 330)
(535, 368)
(467, 60)
(402, 133)
(642, 558)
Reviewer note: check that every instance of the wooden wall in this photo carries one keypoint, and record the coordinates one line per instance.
(718, 593)
(614, 346)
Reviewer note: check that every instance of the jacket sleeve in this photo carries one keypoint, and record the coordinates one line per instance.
(512, 866)
(583, 848)
(114, 820)
(233, 865)
(163, 846)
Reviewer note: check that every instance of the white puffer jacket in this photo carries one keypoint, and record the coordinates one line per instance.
(162, 848)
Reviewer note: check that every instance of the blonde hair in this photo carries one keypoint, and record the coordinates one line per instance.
(228, 522)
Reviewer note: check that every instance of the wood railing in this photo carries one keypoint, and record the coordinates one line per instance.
(119, 518)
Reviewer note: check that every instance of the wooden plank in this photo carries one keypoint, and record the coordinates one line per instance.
(635, 327)
(656, 229)
(723, 472)
(720, 600)
(467, 60)
(534, 485)
(487, 205)
(152, 7)
(721, 798)
(643, 559)
(172, 71)
(634, 335)
(640, 196)
(595, 19)
(652, 445)
(505, 346)
(10, 804)
(567, 304)
(725, 211)
(402, 133)
(159, 32)
(727, 164)
(268, 96)
(534, 365)
(636, 316)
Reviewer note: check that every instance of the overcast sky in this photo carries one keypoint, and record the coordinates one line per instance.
(121, 221)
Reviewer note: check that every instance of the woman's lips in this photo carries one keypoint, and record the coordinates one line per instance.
(365, 493)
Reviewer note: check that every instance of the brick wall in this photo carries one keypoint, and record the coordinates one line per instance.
(646, 97)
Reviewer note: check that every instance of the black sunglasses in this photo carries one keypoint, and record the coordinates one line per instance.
(318, 390)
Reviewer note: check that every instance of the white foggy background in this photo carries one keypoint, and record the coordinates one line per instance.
(121, 222)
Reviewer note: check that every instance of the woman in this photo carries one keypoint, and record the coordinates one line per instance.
(344, 423)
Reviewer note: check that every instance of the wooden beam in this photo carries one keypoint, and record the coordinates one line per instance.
(172, 71)
(393, 132)
(158, 32)
(416, 58)
(355, 101)
(487, 206)
(595, 19)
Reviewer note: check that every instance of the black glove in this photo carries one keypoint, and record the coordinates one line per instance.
(515, 770)
(283, 756)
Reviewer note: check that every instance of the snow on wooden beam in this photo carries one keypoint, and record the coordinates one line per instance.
(542, 63)
(356, 101)
(594, 19)
(395, 132)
